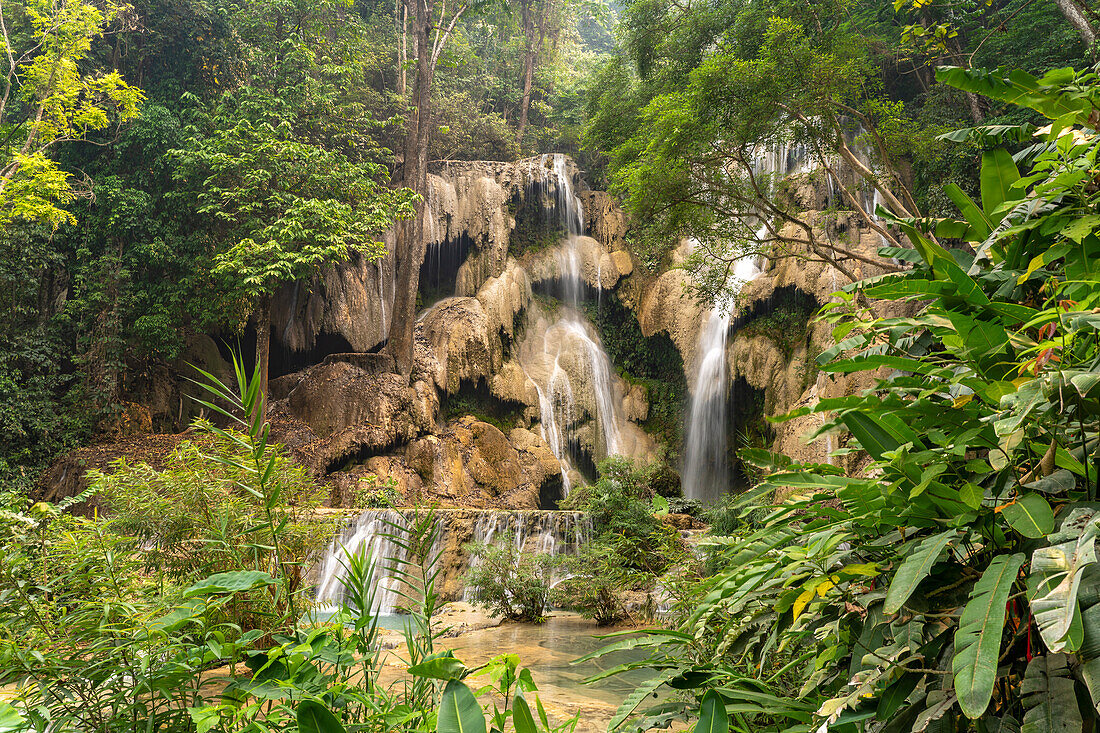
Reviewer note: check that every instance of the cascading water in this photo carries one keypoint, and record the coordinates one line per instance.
(705, 475)
(383, 535)
(379, 534)
(591, 383)
(554, 533)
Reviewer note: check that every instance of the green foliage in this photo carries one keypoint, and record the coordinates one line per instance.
(946, 579)
(510, 582)
(283, 206)
(622, 512)
(594, 586)
(375, 493)
(48, 100)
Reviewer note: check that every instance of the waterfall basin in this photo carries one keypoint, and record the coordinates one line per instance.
(547, 650)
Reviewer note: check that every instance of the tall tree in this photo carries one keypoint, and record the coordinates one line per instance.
(534, 15)
(274, 172)
(426, 16)
(46, 101)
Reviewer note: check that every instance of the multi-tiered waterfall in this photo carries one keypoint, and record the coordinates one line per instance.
(586, 381)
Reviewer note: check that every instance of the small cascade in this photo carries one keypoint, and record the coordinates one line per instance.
(379, 533)
(705, 474)
(552, 533)
(383, 533)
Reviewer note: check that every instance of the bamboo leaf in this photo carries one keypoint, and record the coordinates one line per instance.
(522, 719)
(978, 638)
(634, 699)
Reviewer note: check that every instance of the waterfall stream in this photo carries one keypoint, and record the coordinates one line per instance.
(383, 535)
(705, 474)
(586, 381)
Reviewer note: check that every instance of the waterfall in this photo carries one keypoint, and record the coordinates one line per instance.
(383, 532)
(552, 533)
(380, 533)
(578, 372)
(573, 376)
(705, 474)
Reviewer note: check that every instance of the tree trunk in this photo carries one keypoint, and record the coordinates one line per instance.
(528, 76)
(409, 246)
(528, 69)
(1078, 19)
(401, 20)
(263, 354)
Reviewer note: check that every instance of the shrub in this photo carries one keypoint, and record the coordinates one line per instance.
(377, 493)
(597, 578)
(509, 582)
(620, 505)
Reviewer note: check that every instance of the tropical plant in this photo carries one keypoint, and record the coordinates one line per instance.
(952, 583)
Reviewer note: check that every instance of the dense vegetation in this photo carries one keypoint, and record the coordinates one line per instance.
(168, 166)
(951, 581)
(191, 157)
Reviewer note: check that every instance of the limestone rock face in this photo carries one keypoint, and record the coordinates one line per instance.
(461, 343)
(469, 463)
(597, 267)
(665, 305)
(353, 299)
(604, 219)
(468, 201)
(465, 335)
(350, 410)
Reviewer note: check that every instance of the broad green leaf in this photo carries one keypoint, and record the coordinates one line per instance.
(440, 666)
(313, 717)
(1042, 260)
(1048, 696)
(712, 715)
(522, 719)
(1081, 227)
(997, 176)
(1030, 515)
(1090, 673)
(1056, 573)
(971, 494)
(909, 287)
(459, 711)
(914, 569)
(978, 638)
(231, 582)
(980, 225)
(10, 719)
(896, 694)
(867, 362)
(875, 437)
